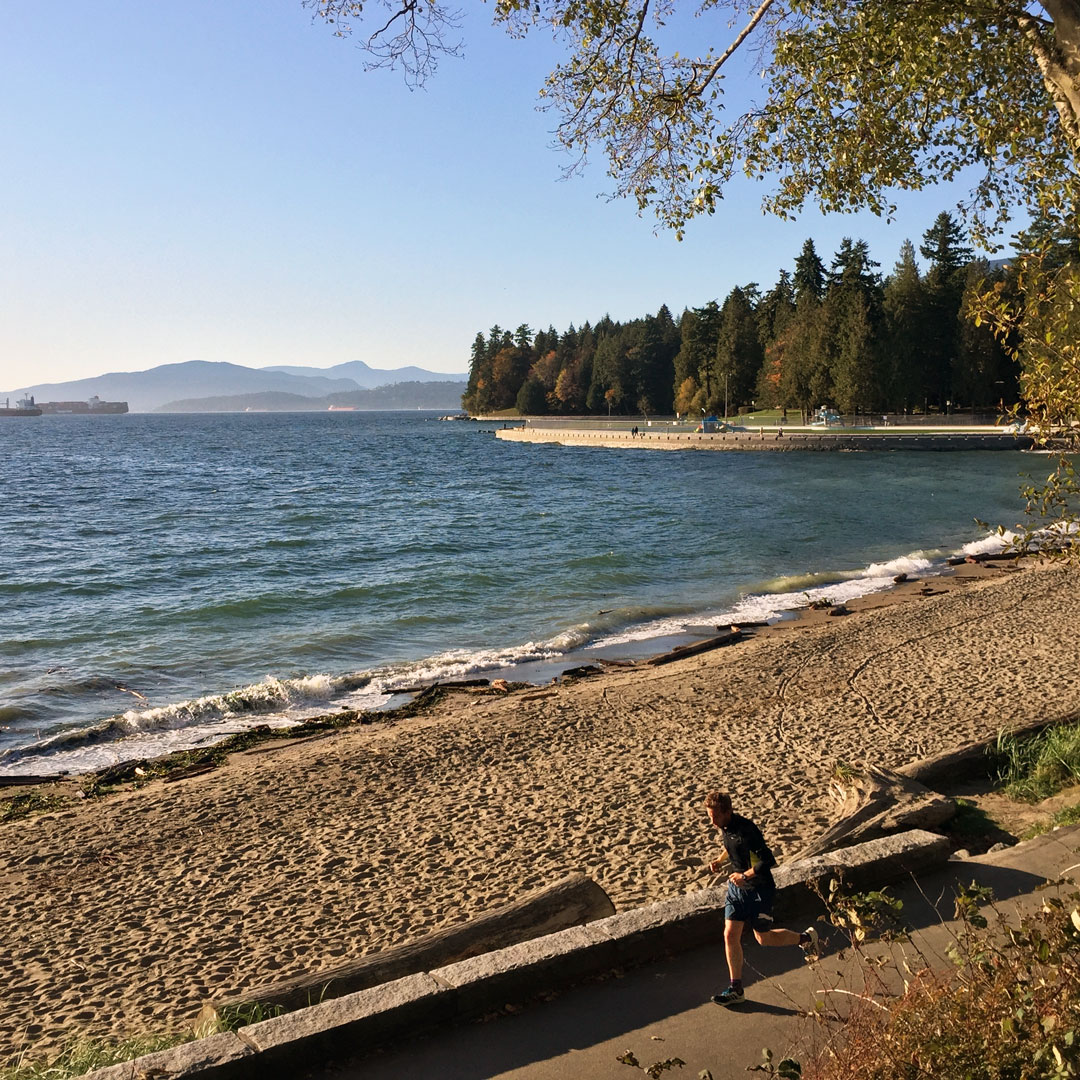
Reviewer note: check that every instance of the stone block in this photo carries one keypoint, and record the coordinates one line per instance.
(353, 1023)
(515, 974)
(869, 865)
(218, 1057)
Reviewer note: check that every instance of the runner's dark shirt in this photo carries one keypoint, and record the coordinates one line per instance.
(746, 848)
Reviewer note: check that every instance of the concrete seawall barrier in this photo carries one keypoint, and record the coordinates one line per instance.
(519, 973)
(770, 439)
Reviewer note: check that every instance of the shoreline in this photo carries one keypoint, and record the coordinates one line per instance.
(636, 642)
(301, 855)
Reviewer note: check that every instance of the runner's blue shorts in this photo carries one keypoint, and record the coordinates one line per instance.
(752, 906)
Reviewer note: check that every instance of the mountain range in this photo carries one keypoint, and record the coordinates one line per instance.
(186, 384)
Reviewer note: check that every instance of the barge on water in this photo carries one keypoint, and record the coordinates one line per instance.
(94, 407)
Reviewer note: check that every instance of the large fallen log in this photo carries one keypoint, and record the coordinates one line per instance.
(729, 637)
(975, 759)
(570, 902)
(876, 802)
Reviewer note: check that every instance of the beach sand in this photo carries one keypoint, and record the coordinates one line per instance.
(124, 914)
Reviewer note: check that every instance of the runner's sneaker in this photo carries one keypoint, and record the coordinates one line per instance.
(812, 948)
(730, 996)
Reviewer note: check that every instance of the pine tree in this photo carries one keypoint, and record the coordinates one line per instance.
(904, 303)
(738, 351)
(477, 397)
(852, 319)
(943, 245)
(809, 274)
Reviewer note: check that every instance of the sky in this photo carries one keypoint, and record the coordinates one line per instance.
(223, 180)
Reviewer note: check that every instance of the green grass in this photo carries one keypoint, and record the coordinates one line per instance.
(1068, 815)
(81, 1056)
(1038, 766)
(969, 820)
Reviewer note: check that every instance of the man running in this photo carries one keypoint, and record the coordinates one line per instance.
(750, 893)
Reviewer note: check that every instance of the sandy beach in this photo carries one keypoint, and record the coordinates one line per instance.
(124, 914)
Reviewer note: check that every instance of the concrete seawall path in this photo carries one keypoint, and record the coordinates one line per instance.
(769, 439)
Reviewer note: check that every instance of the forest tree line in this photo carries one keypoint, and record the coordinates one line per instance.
(839, 335)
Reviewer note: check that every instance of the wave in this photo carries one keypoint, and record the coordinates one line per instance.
(148, 732)
(270, 699)
(777, 598)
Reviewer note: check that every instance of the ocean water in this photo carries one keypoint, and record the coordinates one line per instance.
(167, 579)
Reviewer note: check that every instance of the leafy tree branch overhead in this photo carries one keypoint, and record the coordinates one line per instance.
(855, 99)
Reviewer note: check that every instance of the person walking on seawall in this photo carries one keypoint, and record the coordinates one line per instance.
(750, 894)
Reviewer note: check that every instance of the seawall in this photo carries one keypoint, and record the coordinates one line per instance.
(771, 439)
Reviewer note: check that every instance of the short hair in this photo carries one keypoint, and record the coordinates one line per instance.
(718, 800)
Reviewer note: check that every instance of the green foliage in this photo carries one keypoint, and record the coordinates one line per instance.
(1035, 767)
(31, 802)
(1067, 815)
(81, 1056)
(843, 338)
(855, 100)
(863, 916)
(1038, 321)
(785, 1069)
(1010, 1008)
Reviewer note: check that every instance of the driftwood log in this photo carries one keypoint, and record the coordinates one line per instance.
(875, 802)
(975, 759)
(570, 902)
(729, 637)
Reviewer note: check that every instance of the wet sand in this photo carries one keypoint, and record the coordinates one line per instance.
(123, 915)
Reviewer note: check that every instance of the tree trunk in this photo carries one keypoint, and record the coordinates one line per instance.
(1059, 62)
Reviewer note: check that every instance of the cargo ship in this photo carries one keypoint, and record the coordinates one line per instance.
(82, 408)
(24, 407)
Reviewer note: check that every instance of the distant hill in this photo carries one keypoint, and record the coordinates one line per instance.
(146, 391)
(445, 396)
(369, 377)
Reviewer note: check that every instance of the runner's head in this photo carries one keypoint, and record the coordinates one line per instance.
(718, 807)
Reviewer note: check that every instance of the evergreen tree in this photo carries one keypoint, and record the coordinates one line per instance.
(477, 396)
(651, 368)
(809, 274)
(738, 351)
(531, 399)
(775, 309)
(852, 319)
(943, 245)
(697, 353)
(805, 383)
(984, 374)
(906, 367)
(610, 389)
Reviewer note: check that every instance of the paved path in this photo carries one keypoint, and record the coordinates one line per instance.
(663, 1010)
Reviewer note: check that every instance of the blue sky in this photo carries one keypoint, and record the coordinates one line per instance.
(222, 180)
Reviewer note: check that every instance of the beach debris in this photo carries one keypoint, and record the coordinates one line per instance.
(581, 672)
(876, 801)
(729, 638)
(900, 579)
(840, 609)
(134, 693)
(501, 685)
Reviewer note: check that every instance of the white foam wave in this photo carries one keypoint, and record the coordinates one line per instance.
(152, 732)
(182, 725)
(783, 596)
